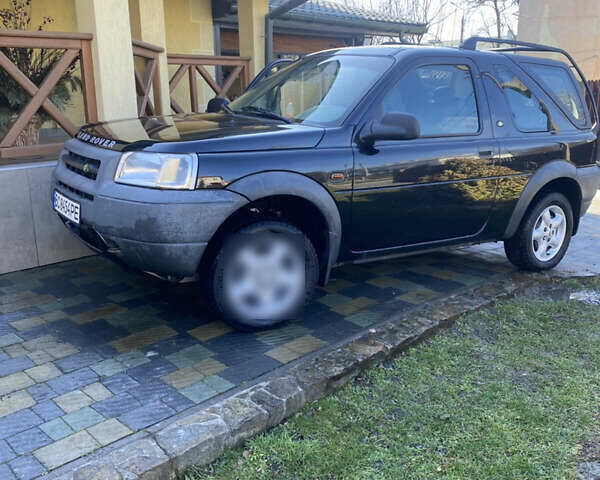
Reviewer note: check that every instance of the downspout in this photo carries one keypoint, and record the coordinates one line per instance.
(272, 15)
(217, 51)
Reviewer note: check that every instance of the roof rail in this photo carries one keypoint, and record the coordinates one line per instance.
(518, 46)
(471, 44)
(392, 43)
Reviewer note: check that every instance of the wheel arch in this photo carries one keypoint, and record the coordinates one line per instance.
(303, 201)
(558, 176)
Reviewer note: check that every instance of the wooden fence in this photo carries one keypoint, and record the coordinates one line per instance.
(149, 79)
(193, 64)
(595, 88)
(75, 46)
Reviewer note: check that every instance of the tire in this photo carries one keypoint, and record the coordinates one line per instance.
(535, 254)
(229, 272)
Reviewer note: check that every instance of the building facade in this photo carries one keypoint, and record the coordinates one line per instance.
(573, 25)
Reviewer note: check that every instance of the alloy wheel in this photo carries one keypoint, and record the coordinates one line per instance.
(549, 233)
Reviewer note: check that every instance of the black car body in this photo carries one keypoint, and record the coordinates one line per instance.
(498, 131)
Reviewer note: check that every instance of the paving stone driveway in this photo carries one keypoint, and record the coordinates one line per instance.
(90, 354)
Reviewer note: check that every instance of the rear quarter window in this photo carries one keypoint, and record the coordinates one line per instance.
(527, 111)
(559, 84)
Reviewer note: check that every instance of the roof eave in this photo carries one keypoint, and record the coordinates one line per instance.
(369, 26)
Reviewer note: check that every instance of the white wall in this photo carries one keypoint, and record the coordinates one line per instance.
(30, 232)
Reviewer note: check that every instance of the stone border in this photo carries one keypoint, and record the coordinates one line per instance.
(200, 435)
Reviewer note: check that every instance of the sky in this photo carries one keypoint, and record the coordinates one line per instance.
(447, 25)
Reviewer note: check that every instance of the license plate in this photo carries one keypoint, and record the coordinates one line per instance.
(66, 207)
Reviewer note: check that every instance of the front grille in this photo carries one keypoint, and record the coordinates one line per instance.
(84, 166)
(76, 191)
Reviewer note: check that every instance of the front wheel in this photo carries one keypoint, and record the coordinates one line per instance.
(544, 234)
(263, 275)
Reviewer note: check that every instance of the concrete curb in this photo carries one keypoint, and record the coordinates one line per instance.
(200, 437)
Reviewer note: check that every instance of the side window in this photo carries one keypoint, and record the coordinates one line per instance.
(559, 84)
(441, 97)
(527, 111)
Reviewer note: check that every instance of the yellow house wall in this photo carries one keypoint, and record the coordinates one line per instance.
(189, 29)
(570, 24)
(63, 12)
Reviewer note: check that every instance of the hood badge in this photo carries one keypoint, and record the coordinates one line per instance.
(94, 140)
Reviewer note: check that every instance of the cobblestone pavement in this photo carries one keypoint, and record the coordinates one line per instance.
(90, 354)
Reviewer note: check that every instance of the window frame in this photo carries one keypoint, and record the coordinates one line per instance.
(495, 66)
(433, 62)
(546, 89)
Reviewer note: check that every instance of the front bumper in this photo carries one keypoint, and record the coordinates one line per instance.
(164, 232)
(163, 259)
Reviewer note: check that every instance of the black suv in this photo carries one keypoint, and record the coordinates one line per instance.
(345, 155)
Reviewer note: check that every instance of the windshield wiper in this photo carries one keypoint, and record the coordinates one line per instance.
(265, 113)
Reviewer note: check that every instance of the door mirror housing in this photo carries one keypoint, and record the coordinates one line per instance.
(215, 105)
(393, 126)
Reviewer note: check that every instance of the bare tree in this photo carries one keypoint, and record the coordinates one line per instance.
(431, 13)
(443, 18)
(504, 15)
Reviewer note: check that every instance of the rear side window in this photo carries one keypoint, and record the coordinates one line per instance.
(441, 97)
(527, 111)
(559, 84)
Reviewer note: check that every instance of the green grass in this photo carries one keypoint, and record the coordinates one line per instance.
(508, 393)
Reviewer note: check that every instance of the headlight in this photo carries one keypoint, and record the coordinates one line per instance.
(158, 170)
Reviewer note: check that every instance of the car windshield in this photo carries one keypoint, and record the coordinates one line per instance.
(318, 90)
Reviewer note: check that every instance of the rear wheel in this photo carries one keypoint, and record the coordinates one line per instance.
(544, 234)
(263, 275)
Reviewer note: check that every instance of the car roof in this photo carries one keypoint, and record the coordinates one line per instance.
(403, 51)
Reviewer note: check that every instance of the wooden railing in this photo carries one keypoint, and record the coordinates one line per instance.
(75, 46)
(193, 64)
(149, 79)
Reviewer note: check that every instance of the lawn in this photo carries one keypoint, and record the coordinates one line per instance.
(510, 392)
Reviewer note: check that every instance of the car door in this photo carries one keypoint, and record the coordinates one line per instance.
(439, 186)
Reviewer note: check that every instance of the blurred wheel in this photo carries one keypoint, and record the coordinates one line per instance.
(263, 275)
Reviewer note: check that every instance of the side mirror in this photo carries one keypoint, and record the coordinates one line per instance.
(393, 126)
(215, 105)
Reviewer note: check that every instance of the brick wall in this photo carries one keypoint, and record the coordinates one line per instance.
(283, 43)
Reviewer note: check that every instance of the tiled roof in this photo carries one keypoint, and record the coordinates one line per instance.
(334, 11)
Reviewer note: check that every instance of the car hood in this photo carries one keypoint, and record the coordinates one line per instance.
(201, 133)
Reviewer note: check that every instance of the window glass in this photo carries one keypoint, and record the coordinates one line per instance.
(527, 111)
(441, 97)
(319, 89)
(560, 85)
